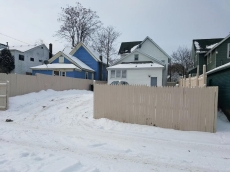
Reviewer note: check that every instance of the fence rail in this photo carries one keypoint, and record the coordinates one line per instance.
(23, 84)
(191, 109)
(197, 81)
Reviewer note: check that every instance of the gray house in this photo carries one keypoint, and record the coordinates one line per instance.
(27, 56)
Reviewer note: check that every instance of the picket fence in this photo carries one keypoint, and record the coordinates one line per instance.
(190, 109)
(197, 81)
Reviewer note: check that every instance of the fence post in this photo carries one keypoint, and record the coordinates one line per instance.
(189, 81)
(204, 75)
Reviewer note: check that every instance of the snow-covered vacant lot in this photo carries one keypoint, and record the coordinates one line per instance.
(55, 131)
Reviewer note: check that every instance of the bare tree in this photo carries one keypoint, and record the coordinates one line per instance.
(182, 60)
(104, 42)
(77, 24)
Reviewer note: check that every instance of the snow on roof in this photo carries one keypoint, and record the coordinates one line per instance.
(76, 60)
(97, 55)
(197, 45)
(131, 66)
(211, 46)
(227, 65)
(56, 66)
(132, 49)
(23, 48)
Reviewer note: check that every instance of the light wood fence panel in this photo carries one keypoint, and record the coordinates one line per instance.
(190, 109)
(23, 84)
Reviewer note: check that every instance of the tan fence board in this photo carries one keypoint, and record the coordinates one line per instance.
(190, 109)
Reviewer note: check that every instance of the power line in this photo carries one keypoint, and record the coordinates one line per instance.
(14, 38)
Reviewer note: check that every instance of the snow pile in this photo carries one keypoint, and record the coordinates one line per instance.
(55, 131)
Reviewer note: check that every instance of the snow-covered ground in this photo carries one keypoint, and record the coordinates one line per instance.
(55, 132)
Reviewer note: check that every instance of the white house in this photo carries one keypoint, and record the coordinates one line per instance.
(27, 56)
(141, 62)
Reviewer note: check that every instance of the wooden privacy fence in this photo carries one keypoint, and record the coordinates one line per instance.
(4, 95)
(190, 109)
(197, 81)
(23, 84)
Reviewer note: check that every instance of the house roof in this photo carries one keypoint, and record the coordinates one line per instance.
(24, 48)
(78, 62)
(136, 66)
(216, 45)
(204, 45)
(90, 50)
(71, 58)
(139, 51)
(225, 66)
(127, 46)
(148, 38)
(56, 66)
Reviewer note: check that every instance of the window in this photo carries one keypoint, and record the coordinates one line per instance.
(86, 75)
(136, 57)
(118, 73)
(228, 51)
(41, 47)
(40, 61)
(32, 59)
(61, 59)
(112, 74)
(21, 57)
(56, 73)
(63, 73)
(123, 74)
(163, 61)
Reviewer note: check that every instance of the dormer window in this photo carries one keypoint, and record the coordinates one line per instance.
(136, 57)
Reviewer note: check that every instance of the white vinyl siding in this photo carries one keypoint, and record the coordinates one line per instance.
(139, 76)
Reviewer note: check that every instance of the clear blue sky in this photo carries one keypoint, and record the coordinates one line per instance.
(170, 23)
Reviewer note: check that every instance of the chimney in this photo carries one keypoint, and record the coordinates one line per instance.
(50, 51)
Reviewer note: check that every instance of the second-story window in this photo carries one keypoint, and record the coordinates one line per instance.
(21, 57)
(31, 59)
(136, 57)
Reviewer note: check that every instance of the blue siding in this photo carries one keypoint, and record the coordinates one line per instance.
(45, 72)
(85, 57)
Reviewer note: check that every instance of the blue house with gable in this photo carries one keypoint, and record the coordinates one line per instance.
(79, 62)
